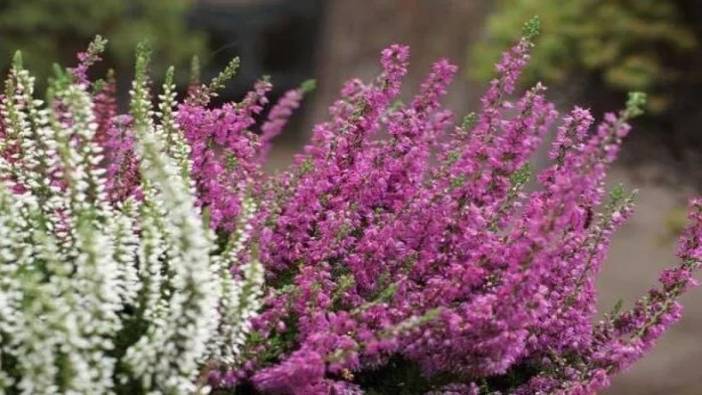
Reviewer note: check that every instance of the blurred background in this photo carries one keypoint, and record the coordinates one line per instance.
(590, 52)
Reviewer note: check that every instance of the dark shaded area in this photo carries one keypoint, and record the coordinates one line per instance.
(274, 37)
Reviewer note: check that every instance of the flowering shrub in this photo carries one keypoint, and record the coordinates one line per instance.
(402, 253)
(99, 295)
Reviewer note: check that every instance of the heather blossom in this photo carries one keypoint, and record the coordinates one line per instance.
(401, 252)
(103, 290)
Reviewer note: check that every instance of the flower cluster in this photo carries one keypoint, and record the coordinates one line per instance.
(105, 292)
(402, 251)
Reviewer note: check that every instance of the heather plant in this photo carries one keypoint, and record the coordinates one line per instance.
(96, 295)
(402, 251)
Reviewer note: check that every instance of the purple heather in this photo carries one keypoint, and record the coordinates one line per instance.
(402, 247)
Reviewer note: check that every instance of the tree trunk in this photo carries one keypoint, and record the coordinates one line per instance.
(354, 33)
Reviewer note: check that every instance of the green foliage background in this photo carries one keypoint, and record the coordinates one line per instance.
(624, 44)
(51, 30)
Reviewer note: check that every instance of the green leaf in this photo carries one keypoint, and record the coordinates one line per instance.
(532, 28)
